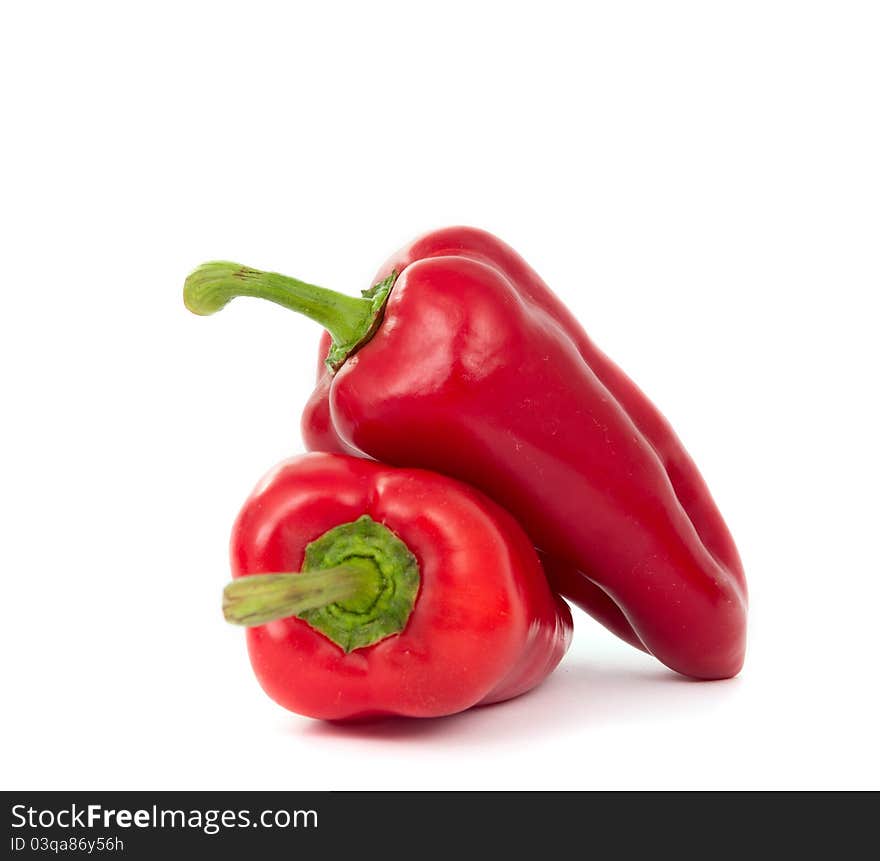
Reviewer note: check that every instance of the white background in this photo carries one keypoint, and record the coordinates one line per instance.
(698, 181)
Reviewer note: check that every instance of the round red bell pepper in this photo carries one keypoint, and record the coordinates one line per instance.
(416, 595)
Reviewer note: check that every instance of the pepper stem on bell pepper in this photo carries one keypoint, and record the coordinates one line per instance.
(351, 321)
(262, 598)
(358, 585)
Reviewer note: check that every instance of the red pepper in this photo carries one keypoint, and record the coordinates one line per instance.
(418, 595)
(474, 368)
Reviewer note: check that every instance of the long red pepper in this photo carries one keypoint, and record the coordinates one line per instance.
(477, 370)
(418, 595)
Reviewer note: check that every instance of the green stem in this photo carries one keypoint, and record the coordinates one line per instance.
(262, 598)
(358, 585)
(350, 320)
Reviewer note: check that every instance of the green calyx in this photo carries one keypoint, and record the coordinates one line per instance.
(350, 321)
(382, 607)
(377, 296)
(358, 586)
